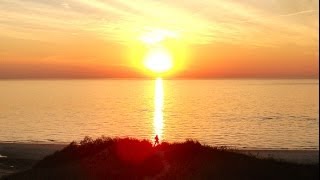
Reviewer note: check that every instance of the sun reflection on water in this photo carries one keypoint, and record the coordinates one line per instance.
(158, 108)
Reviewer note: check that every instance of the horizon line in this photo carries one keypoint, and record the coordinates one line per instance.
(165, 78)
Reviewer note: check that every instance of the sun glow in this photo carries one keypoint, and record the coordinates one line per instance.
(159, 53)
(158, 60)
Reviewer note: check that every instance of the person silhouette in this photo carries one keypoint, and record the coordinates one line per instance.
(156, 140)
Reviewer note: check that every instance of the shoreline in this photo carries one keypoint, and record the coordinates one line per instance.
(15, 157)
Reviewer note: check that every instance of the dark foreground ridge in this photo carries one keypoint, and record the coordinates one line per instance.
(106, 158)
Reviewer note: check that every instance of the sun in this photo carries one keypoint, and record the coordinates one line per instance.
(158, 60)
(157, 57)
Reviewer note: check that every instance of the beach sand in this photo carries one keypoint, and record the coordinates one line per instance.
(294, 156)
(16, 157)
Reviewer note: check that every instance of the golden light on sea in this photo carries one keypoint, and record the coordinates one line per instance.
(158, 108)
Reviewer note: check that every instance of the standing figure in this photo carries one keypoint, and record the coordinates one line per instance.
(156, 140)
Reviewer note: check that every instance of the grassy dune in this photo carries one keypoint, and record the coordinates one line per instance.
(106, 158)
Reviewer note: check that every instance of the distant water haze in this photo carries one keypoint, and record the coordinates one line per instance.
(253, 114)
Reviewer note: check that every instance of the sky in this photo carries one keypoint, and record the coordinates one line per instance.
(205, 39)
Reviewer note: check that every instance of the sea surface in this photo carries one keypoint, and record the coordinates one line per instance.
(250, 114)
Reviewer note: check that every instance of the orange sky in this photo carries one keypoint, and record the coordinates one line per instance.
(211, 39)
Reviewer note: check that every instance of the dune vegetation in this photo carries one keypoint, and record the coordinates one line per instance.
(127, 158)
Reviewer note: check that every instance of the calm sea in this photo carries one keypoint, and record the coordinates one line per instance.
(263, 114)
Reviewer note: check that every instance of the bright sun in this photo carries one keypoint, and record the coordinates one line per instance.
(158, 60)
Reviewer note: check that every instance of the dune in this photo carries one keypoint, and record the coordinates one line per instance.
(126, 158)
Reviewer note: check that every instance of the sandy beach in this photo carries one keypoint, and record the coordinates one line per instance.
(15, 157)
(294, 156)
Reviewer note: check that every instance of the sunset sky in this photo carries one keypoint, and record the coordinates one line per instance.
(111, 38)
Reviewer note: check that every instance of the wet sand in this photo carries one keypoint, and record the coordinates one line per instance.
(16, 157)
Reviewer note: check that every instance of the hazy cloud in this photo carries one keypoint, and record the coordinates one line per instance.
(196, 22)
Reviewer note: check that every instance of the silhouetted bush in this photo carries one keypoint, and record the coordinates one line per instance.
(128, 158)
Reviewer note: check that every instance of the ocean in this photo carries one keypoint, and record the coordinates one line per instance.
(237, 113)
